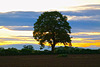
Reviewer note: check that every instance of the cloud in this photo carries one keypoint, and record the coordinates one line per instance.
(89, 18)
(18, 18)
(17, 42)
(20, 14)
(80, 39)
(84, 7)
(20, 27)
(90, 12)
(93, 47)
(4, 32)
(84, 20)
(85, 10)
(8, 37)
(79, 21)
(86, 37)
(85, 44)
(11, 37)
(28, 18)
(86, 33)
(84, 40)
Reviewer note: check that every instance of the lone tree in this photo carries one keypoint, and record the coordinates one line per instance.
(52, 28)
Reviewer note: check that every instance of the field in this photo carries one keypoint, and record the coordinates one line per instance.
(75, 60)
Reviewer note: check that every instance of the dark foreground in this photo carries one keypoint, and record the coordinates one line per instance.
(86, 60)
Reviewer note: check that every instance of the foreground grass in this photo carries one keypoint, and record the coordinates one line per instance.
(72, 60)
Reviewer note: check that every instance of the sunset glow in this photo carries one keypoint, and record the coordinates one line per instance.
(10, 37)
(17, 18)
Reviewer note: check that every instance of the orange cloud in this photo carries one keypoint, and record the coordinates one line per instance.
(18, 42)
(80, 39)
(85, 44)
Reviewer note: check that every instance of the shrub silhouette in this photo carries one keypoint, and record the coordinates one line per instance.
(9, 51)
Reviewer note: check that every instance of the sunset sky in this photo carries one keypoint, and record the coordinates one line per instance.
(17, 18)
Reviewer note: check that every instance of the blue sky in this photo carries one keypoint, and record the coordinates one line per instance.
(17, 26)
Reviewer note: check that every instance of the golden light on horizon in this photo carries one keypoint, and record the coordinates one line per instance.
(10, 37)
(18, 42)
(86, 44)
(35, 42)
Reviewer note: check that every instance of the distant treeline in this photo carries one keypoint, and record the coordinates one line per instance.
(29, 50)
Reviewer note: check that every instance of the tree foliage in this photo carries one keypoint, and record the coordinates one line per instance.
(52, 27)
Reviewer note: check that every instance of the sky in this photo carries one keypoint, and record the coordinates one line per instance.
(17, 18)
(42, 5)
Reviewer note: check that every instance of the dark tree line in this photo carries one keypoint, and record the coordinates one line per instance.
(26, 50)
(29, 50)
(76, 50)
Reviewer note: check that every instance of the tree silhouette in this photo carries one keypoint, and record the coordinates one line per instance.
(28, 47)
(27, 50)
(52, 28)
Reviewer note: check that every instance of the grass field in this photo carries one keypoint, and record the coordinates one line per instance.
(75, 60)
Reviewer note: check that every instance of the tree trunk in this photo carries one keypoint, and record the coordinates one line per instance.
(53, 45)
(53, 48)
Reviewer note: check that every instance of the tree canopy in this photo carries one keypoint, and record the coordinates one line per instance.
(52, 27)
